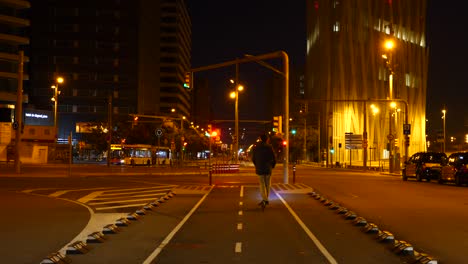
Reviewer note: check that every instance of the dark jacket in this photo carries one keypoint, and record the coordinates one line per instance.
(263, 158)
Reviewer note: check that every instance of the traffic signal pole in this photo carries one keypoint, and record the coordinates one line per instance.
(285, 73)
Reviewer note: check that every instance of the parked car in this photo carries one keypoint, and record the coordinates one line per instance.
(456, 169)
(424, 165)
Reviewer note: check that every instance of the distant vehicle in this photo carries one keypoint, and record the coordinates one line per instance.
(424, 165)
(117, 154)
(139, 154)
(456, 169)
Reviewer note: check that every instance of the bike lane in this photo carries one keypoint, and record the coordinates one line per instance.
(229, 227)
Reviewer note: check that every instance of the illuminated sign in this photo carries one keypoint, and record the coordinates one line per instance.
(40, 116)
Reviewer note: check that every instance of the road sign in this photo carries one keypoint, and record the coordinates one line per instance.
(390, 136)
(407, 129)
(158, 132)
(353, 141)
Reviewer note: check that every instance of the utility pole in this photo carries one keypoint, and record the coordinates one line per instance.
(109, 124)
(19, 112)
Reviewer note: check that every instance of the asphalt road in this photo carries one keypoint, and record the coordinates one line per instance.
(47, 212)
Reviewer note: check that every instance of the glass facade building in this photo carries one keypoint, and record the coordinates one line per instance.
(362, 88)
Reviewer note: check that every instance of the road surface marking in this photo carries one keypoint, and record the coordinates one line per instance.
(314, 239)
(124, 192)
(242, 191)
(57, 194)
(37, 189)
(142, 188)
(238, 248)
(119, 206)
(104, 197)
(241, 203)
(90, 197)
(240, 212)
(239, 226)
(123, 201)
(166, 241)
(60, 193)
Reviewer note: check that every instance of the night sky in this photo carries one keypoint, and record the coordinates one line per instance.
(224, 31)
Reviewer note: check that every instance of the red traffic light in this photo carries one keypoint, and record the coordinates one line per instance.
(285, 142)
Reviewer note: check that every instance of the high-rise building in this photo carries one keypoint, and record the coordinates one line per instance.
(14, 36)
(135, 52)
(349, 70)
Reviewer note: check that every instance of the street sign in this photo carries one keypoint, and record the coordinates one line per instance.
(353, 141)
(390, 136)
(158, 132)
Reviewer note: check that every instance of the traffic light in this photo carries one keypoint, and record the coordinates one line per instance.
(293, 131)
(188, 80)
(277, 124)
(285, 143)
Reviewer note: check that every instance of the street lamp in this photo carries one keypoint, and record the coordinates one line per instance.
(235, 95)
(182, 138)
(59, 80)
(389, 45)
(443, 120)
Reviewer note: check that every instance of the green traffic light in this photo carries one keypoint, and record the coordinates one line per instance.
(293, 131)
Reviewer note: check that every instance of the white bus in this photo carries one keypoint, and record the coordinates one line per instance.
(139, 154)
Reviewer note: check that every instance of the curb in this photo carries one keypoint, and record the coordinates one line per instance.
(399, 247)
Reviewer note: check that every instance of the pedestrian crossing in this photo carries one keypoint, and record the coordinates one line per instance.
(112, 199)
(121, 199)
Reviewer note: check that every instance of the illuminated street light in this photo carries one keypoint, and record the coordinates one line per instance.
(235, 95)
(389, 45)
(54, 99)
(443, 118)
(375, 110)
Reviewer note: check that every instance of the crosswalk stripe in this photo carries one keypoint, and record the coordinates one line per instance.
(89, 197)
(137, 192)
(60, 193)
(141, 188)
(119, 206)
(123, 201)
(103, 197)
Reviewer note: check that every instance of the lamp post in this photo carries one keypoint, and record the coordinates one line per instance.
(389, 46)
(59, 80)
(235, 95)
(182, 139)
(443, 120)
